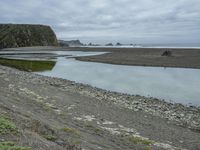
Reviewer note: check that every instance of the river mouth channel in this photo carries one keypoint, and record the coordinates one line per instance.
(179, 85)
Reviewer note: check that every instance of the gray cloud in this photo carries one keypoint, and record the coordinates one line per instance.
(110, 20)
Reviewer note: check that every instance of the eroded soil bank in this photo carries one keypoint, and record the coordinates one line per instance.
(49, 113)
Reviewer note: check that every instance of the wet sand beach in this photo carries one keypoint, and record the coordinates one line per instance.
(184, 58)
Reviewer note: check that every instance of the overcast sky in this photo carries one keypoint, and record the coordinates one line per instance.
(102, 21)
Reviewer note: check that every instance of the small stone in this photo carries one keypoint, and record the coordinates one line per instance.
(59, 142)
(6, 79)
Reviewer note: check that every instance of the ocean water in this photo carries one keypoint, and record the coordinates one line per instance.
(149, 45)
(172, 45)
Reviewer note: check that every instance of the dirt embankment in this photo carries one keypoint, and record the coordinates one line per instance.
(49, 113)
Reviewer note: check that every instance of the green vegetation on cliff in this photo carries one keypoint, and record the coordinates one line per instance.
(24, 35)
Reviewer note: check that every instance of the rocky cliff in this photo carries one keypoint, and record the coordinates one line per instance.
(24, 35)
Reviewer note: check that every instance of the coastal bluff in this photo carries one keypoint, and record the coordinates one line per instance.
(25, 35)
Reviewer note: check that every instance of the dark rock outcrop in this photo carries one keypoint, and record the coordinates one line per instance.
(118, 44)
(70, 43)
(91, 44)
(25, 35)
(63, 44)
(109, 44)
(167, 53)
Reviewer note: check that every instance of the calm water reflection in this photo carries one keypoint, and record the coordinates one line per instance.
(177, 84)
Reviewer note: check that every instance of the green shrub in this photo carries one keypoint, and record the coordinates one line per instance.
(7, 126)
(11, 146)
(50, 137)
(71, 130)
(139, 140)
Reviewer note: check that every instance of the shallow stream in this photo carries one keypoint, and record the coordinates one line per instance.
(178, 85)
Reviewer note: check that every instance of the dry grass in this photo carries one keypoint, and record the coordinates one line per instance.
(71, 130)
(139, 140)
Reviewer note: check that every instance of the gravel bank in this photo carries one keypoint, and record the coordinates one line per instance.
(93, 118)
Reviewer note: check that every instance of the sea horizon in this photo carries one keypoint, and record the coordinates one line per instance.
(149, 45)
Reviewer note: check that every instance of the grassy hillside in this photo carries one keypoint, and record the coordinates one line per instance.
(22, 35)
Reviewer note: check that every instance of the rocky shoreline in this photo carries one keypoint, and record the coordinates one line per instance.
(186, 116)
(142, 116)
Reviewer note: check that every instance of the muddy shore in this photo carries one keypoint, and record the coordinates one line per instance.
(52, 113)
(181, 57)
(184, 58)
